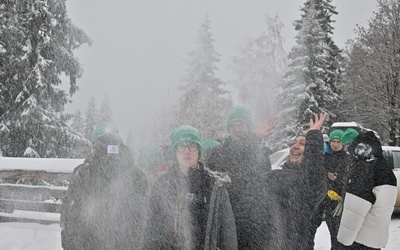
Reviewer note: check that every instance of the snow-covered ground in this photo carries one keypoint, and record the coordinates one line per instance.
(18, 236)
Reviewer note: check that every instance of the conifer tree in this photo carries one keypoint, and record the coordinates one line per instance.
(372, 93)
(36, 46)
(91, 118)
(105, 113)
(203, 103)
(259, 69)
(310, 84)
(78, 123)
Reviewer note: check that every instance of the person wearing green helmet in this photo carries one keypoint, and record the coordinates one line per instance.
(151, 161)
(105, 197)
(296, 152)
(105, 127)
(246, 158)
(208, 146)
(189, 206)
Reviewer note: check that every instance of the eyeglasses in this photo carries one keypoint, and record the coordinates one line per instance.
(182, 147)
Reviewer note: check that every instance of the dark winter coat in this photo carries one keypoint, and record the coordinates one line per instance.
(336, 162)
(189, 212)
(370, 197)
(104, 201)
(282, 212)
(246, 161)
(290, 165)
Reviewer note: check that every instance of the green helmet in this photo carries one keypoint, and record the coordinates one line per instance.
(239, 114)
(336, 134)
(186, 134)
(103, 128)
(348, 136)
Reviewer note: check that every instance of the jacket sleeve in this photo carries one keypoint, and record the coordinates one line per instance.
(354, 212)
(72, 220)
(156, 223)
(221, 227)
(313, 165)
(368, 205)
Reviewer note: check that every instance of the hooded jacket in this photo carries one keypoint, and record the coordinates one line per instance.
(371, 195)
(103, 205)
(189, 212)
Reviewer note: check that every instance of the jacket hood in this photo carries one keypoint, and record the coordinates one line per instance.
(366, 146)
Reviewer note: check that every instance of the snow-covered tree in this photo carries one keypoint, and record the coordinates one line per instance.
(165, 122)
(259, 68)
(91, 118)
(105, 113)
(78, 123)
(372, 92)
(37, 40)
(310, 84)
(203, 103)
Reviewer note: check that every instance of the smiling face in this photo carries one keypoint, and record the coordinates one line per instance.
(187, 155)
(297, 149)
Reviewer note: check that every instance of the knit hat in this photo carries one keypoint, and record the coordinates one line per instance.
(103, 128)
(209, 144)
(186, 134)
(150, 156)
(300, 134)
(349, 136)
(336, 134)
(239, 114)
(107, 144)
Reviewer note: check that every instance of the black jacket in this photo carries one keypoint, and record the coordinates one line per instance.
(336, 162)
(370, 197)
(288, 199)
(246, 161)
(104, 202)
(189, 212)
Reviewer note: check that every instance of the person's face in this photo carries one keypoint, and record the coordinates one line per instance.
(336, 145)
(297, 149)
(187, 155)
(238, 129)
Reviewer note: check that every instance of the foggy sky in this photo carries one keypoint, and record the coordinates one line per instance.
(139, 46)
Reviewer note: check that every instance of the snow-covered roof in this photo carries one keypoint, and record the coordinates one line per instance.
(32, 215)
(345, 124)
(55, 165)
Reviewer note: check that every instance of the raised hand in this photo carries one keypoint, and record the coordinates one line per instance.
(316, 124)
(266, 127)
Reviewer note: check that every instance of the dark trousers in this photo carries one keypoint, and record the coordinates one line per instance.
(325, 211)
(333, 223)
(316, 221)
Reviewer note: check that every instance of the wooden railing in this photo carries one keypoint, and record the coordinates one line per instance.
(32, 190)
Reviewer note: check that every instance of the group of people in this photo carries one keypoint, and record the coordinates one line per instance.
(228, 197)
